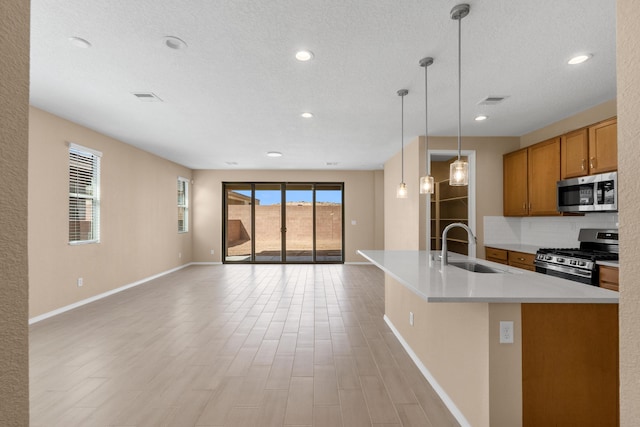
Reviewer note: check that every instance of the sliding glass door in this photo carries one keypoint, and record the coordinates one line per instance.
(299, 222)
(283, 222)
(238, 224)
(329, 222)
(267, 223)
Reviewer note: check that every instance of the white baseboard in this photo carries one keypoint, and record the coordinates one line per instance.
(358, 263)
(102, 295)
(436, 387)
(206, 263)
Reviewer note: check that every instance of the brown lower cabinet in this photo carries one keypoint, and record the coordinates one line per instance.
(512, 258)
(500, 256)
(609, 278)
(570, 365)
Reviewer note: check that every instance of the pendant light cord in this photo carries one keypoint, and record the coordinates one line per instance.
(402, 137)
(459, 86)
(426, 121)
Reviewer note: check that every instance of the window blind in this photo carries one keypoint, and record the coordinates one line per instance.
(183, 205)
(84, 195)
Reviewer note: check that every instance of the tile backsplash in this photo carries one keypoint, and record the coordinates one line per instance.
(554, 232)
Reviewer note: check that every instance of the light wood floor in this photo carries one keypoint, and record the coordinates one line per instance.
(232, 345)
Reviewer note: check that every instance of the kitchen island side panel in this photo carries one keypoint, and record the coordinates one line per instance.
(451, 341)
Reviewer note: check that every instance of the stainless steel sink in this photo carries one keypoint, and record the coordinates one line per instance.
(475, 267)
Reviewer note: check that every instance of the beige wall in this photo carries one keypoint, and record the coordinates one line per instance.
(628, 64)
(360, 205)
(505, 367)
(378, 195)
(584, 118)
(14, 113)
(405, 219)
(459, 344)
(139, 215)
(452, 342)
(402, 216)
(489, 151)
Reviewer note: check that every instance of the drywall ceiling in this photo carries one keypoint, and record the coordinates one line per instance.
(237, 91)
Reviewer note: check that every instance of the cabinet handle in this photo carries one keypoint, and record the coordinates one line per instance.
(520, 259)
(524, 206)
(592, 163)
(529, 207)
(584, 162)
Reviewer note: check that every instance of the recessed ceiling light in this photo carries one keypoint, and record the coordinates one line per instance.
(174, 43)
(304, 55)
(481, 117)
(79, 42)
(332, 163)
(274, 154)
(306, 115)
(579, 59)
(232, 163)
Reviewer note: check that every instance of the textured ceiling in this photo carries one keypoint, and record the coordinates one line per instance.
(237, 92)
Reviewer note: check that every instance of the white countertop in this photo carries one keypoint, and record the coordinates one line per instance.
(453, 284)
(615, 264)
(527, 249)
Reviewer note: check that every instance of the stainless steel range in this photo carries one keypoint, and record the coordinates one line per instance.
(579, 264)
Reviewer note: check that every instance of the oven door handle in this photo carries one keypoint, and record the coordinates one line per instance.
(562, 269)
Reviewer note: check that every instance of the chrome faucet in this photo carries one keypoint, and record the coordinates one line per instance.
(444, 256)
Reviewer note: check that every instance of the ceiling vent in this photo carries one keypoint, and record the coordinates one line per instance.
(492, 100)
(147, 97)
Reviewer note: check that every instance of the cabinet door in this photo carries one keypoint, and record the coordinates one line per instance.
(609, 278)
(515, 201)
(522, 260)
(603, 147)
(496, 255)
(544, 173)
(574, 155)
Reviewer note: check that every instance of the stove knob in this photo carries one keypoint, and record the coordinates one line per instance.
(560, 260)
(548, 258)
(582, 263)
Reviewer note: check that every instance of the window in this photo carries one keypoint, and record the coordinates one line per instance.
(183, 205)
(84, 195)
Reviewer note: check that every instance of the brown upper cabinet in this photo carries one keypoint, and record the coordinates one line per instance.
(530, 177)
(515, 180)
(590, 150)
(603, 147)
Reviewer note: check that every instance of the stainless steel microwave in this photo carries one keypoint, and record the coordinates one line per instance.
(593, 193)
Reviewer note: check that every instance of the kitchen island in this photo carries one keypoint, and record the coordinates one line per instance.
(561, 369)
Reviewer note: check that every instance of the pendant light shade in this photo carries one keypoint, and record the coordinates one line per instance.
(459, 173)
(459, 170)
(426, 181)
(426, 184)
(401, 191)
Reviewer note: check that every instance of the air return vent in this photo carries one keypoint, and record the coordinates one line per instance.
(147, 97)
(492, 100)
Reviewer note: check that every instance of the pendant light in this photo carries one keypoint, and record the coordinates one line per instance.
(459, 169)
(426, 182)
(401, 192)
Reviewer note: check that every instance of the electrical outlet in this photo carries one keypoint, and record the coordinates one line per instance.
(80, 282)
(179, 254)
(411, 318)
(212, 251)
(506, 332)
